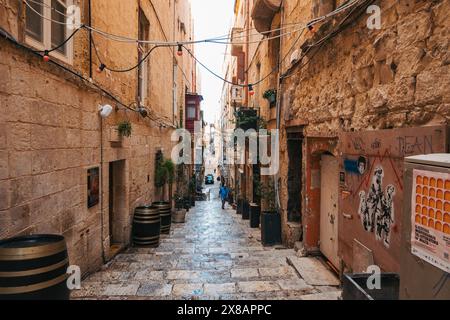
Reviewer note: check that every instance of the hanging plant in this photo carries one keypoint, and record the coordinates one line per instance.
(124, 128)
(269, 93)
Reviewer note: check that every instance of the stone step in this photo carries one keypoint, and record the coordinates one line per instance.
(313, 271)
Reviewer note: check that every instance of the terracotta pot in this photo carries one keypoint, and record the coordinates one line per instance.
(179, 216)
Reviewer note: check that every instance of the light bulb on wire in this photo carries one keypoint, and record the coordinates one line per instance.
(46, 57)
(180, 50)
(100, 68)
(251, 92)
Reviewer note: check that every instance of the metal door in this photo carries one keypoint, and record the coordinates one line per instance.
(329, 208)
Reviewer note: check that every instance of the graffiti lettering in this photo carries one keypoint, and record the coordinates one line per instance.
(376, 144)
(409, 145)
(358, 144)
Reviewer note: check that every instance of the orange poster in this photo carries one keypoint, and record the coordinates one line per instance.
(430, 235)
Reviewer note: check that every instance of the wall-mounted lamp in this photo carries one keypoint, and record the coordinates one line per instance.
(105, 110)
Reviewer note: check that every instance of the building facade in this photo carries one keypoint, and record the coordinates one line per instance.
(353, 100)
(64, 169)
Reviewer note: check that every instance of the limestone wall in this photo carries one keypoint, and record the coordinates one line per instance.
(51, 133)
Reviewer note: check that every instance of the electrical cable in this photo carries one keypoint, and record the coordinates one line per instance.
(127, 69)
(322, 41)
(61, 44)
(210, 40)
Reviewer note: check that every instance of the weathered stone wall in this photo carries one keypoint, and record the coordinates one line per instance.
(370, 79)
(51, 133)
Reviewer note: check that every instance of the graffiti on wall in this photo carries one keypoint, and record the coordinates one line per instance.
(358, 167)
(376, 207)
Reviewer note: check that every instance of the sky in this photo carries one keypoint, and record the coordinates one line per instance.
(212, 18)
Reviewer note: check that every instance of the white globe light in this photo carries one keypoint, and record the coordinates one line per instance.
(105, 111)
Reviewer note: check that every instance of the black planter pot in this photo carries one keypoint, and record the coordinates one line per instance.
(240, 204)
(255, 213)
(270, 228)
(245, 210)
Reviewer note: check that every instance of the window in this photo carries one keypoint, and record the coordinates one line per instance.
(144, 29)
(46, 27)
(191, 112)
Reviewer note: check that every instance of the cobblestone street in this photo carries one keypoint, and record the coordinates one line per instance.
(214, 255)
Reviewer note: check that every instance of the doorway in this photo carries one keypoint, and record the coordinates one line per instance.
(117, 204)
(295, 153)
(329, 191)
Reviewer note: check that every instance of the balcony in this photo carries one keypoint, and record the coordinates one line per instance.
(263, 13)
(237, 38)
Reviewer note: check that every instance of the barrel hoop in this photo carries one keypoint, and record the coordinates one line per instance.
(34, 287)
(146, 219)
(34, 271)
(147, 222)
(32, 253)
(145, 238)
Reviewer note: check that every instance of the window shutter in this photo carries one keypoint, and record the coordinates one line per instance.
(241, 66)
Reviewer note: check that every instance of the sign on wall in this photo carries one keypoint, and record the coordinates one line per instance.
(430, 205)
(93, 187)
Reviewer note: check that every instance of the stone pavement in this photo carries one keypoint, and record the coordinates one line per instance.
(214, 255)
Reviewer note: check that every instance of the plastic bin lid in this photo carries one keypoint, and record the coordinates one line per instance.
(434, 159)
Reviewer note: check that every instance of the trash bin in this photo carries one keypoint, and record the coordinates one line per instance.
(355, 287)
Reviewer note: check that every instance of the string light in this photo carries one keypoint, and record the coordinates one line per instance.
(180, 50)
(218, 40)
(46, 56)
(251, 92)
(101, 67)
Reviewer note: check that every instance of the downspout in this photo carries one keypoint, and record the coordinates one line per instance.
(278, 106)
(102, 226)
(90, 37)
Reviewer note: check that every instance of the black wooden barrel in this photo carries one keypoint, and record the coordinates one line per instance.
(165, 211)
(245, 210)
(146, 226)
(34, 268)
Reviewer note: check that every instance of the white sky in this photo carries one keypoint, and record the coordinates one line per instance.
(212, 18)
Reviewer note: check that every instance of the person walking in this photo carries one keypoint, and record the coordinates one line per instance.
(224, 194)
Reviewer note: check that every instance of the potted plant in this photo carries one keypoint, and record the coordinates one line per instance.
(160, 173)
(169, 167)
(180, 212)
(271, 96)
(192, 187)
(270, 217)
(124, 128)
(255, 207)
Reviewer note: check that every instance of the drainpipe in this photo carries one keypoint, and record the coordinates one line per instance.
(278, 106)
(90, 37)
(102, 226)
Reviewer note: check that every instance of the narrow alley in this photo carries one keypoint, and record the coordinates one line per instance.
(214, 255)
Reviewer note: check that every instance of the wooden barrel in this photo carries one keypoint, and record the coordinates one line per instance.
(165, 211)
(146, 226)
(34, 268)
